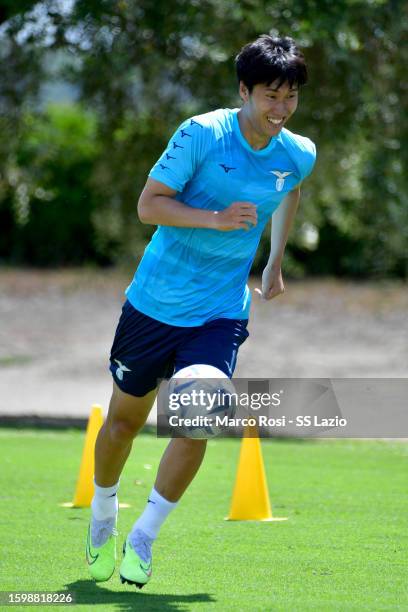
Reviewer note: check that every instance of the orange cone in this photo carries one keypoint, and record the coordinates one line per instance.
(250, 498)
(85, 486)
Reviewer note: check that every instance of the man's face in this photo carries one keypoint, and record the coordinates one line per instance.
(269, 107)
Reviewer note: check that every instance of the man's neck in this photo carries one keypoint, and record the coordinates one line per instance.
(256, 141)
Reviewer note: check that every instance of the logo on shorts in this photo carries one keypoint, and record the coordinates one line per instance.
(280, 180)
(122, 368)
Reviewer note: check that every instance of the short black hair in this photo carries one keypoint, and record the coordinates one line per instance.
(268, 59)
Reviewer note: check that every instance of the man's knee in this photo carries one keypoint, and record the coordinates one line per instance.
(191, 445)
(127, 415)
(122, 431)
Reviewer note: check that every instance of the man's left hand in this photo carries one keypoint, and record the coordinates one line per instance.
(272, 283)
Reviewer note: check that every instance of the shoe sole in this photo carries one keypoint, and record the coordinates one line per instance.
(124, 580)
(139, 585)
(103, 579)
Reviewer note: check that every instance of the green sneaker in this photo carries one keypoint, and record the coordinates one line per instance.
(133, 569)
(101, 561)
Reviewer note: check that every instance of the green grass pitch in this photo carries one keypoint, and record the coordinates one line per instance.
(344, 546)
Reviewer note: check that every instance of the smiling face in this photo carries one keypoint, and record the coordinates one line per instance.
(265, 111)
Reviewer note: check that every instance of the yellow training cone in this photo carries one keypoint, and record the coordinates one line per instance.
(85, 485)
(250, 499)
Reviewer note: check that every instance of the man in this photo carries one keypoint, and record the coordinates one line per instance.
(211, 194)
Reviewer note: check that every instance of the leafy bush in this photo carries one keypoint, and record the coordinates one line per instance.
(72, 174)
(50, 203)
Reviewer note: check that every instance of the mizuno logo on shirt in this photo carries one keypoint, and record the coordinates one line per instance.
(281, 176)
(227, 168)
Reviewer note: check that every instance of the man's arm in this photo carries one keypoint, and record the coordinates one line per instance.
(282, 221)
(157, 206)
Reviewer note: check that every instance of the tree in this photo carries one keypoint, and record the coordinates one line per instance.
(143, 67)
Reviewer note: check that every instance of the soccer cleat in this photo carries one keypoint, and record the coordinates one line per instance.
(101, 560)
(133, 569)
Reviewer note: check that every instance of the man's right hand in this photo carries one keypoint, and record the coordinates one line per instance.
(239, 215)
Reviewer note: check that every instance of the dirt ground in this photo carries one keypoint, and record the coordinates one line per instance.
(57, 327)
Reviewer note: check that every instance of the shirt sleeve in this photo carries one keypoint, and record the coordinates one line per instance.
(307, 158)
(184, 153)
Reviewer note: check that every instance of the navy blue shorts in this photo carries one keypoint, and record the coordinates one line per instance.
(145, 350)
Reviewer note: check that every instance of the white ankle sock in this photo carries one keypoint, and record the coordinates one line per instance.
(154, 515)
(105, 502)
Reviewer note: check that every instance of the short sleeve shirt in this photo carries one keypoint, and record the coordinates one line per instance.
(189, 276)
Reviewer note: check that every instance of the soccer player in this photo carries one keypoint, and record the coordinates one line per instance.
(211, 193)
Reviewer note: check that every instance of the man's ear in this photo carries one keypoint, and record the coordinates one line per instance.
(243, 92)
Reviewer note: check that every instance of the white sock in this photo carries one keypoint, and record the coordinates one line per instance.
(156, 511)
(105, 502)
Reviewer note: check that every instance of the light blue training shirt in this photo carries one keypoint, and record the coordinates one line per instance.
(189, 276)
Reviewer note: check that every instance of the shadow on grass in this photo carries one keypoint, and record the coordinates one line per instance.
(87, 592)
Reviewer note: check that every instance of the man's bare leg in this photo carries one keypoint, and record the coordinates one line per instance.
(178, 466)
(126, 417)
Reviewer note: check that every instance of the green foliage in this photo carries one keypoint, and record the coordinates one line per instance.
(51, 197)
(143, 67)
